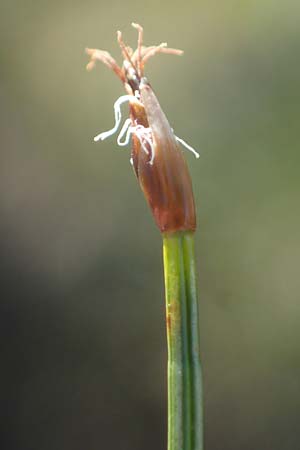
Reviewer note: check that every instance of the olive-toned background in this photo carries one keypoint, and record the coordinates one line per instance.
(83, 359)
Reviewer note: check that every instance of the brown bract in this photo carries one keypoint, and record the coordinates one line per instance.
(166, 183)
(158, 161)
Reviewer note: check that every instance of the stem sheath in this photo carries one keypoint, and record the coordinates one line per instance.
(185, 416)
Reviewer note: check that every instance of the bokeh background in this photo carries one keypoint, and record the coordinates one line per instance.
(83, 359)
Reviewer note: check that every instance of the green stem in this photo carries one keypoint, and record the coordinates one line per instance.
(185, 418)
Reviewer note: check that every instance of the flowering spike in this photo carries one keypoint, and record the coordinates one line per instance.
(157, 160)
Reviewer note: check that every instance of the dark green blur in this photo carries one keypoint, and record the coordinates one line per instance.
(83, 359)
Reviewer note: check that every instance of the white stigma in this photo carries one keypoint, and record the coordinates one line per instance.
(125, 129)
(187, 146)
(118, 116)
(144, 134)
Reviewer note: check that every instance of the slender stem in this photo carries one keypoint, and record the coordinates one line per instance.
(185, 417)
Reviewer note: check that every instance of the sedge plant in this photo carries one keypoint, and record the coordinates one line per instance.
(163, 176)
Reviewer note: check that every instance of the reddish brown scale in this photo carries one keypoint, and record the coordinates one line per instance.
(165, 181)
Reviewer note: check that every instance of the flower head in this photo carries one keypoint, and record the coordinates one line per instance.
(158, 161)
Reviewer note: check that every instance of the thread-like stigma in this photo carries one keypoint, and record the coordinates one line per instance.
(144, 134)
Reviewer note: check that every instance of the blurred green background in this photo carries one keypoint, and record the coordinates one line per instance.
(83, 360)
